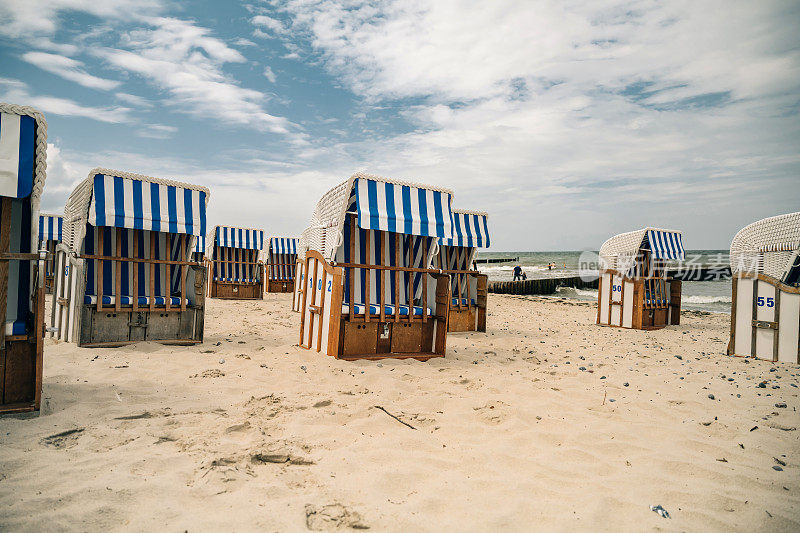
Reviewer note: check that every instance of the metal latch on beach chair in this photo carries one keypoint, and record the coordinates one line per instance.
(764, 324)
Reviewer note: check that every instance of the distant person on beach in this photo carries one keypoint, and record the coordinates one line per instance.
(524, 276)
(517, 273)
(549, 266)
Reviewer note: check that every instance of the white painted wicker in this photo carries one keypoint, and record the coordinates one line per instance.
(767, 246)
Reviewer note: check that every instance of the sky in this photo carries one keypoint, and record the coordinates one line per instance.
(567, 121)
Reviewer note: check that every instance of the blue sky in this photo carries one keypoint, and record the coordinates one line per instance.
(567, 121)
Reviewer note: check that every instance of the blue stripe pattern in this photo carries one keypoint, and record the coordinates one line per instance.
(402, 208)
(107, 247)
(51, 228)
(469, 230)
(17, 137)
(666, 245)
(134, 204)
(410, 246)
(283, 245)
(248, 239)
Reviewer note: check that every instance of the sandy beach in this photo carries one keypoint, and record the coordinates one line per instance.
(546, 422)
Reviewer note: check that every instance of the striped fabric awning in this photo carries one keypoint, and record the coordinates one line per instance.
(283, 245)
(469, 230)
(666, 244)
(135, 204)
(200, 244)
(401, 208)
(17, 146)
(249, 239)
(50, 227)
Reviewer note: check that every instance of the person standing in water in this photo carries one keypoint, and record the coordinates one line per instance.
(517, 273)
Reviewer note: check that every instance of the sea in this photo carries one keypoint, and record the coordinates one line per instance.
(710, 296)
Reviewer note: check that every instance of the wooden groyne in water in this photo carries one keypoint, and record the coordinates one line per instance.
(540, 286)
(498, 260)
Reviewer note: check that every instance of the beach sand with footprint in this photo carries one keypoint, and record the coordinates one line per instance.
(545, 422)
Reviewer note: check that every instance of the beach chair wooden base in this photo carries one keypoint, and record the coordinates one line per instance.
(765, 319)
(21, 363)
(236, 291)
(326, 329)
(280, 286)
(463, 319)
(637, 303)
(108, 328)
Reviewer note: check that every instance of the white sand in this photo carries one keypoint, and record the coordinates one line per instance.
(508, 436)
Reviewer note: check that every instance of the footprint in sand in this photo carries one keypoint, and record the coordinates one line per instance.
(212, 373)
(331, 517)
(63, 440)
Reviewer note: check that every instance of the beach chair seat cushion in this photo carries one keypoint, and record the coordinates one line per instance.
(17, 327)
(464, 301)
(388, 310)
(144, 301)
(236, 280)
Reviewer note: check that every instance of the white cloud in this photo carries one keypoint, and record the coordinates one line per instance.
(157, 131)
(69, 69)
(32, 19)
(272, 26)
(134, 100)
(269, 74)
(18, 92)
(182, 58)
(601, 116)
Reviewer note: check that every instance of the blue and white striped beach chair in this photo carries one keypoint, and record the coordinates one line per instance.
(23, 157)
(370, 288)
(236, 270)
(634, 290)
(468, 286)
(124, 272)
(281, 264)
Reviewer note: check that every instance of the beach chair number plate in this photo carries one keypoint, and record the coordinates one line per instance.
(770, 301)
(385, 331)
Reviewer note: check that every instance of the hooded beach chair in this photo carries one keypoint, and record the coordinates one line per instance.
(370, 290)
(123, 271)
(457, 258)
(635, 291)
(765, 310)
(236, 271)
(281, 264)
(23, 161)
(50, 231)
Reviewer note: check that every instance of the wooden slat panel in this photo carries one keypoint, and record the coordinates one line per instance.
(382, 278)
(352, 271)
(168, 275)
(152, 288)
(117, 270)
(397, 277)
(135, 267)
(99, 269)
(410, 279)
(183, 273)
(367, 279)
(5, 243)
